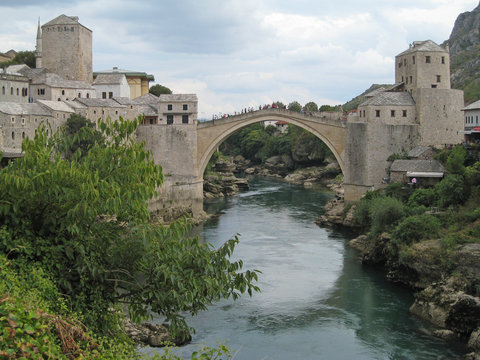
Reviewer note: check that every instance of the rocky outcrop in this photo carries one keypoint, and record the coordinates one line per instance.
(222, 182)
(154, 335)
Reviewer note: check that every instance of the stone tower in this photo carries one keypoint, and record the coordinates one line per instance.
(38, 50)
(424, 65)
(66, 48)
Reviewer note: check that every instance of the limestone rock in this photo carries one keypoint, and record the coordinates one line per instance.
(474, 340)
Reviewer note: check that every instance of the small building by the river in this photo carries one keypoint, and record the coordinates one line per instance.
(426, 172)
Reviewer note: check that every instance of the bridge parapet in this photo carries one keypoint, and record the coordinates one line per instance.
(286, 114)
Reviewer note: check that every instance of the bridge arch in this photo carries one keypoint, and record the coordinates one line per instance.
(211, 134)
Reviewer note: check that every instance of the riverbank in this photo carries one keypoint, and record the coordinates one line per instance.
(445, 280)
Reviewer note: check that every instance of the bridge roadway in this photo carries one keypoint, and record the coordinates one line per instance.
(210, 134)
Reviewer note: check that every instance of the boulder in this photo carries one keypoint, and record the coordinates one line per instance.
(474, 340)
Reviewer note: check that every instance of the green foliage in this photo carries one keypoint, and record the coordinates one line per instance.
(329, 108)
(220, 352)
(472, 174)
(158, 89)
(22, 57)
(399, 191)
(79, 135)
(415, 228)
(385, 212)
(86, 222)
(311, 107)
(294, 106)
(426, 197)
(451, 190)
(472, 91)
(456, 159)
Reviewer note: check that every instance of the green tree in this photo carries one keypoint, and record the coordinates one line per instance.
(328, 108)
(158, 89)
(86, 222)
(311, 107)
(294, 106)
(80, 135)
(451, 190)
(456, 160)
(22, 57)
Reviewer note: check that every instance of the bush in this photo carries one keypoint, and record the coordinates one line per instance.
(384, 212)
(399, 191)
(451, 190)
(362, 213)
(415, 228)
(426, 197)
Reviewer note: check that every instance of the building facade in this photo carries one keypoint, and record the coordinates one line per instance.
(177, 109)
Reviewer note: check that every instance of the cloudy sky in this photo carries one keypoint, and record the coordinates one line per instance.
(239, 53)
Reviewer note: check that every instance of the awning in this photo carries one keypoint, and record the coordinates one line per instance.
(429, 174)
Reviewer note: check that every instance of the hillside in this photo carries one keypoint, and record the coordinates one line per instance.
(464, 45)
(353, 104)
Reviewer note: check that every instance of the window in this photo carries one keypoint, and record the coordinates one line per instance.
(404, 113)
(63, 92)
(23, 135)
(72, 28)
(402, 78)
(400, 64)
(411, 79)
(427, 59)
(434, 86)
(477, 119)
(392, 113)
(23, 121)
(13, 120)
(110, 95)
(169, 119)
(169, 107)
(151, 121)
(405, 62)
(11, 91)
(413, 59)
(185, 106)
(438, 78)
(184, 119)
(13, 135)
(443, 59)
(116, 112)
(377, 113)
(79, 95)
(104, 95)
(3, 90)
(88, 95)
(407, 80)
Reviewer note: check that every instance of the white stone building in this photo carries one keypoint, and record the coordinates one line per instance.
(108, 86)
(472, 116)
(49, 86)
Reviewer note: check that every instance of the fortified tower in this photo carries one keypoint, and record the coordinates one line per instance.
(64, 47)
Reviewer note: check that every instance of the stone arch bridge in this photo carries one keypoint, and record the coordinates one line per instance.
(184, 150)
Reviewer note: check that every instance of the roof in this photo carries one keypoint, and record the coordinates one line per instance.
(110, 79)
(32, 73)
(419, 150)
(177, 97)
(147, 110)
(473, 106)
(281, 122)
(427, 45)
(100, 102)
(13, 108)
(57, 81)
(375, 92)
(56, 105)
(397, 98)
(127, 73)
(417, 166)
(146, 99)
(64, 20)
(75, 104)
(15, 69)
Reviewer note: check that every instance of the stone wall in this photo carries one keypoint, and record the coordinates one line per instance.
(441, 120)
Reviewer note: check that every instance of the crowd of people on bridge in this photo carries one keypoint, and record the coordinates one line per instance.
(248, 110)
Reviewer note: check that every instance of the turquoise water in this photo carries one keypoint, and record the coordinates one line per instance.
(317, 301)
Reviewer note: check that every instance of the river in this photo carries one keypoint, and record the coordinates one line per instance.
(317, 301)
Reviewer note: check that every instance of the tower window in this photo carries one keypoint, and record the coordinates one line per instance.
(377, 113)
(184, 119)
(63, 92)
(13, 135)
(443, 59)
(411, 79)
(413, 59)
(3, 90)
(438, 78)
(79, 95)
(185, 106)
(23, 135)
(169, 107)
(427, 59)
(405, 62)
(404, 113)
(392, 113)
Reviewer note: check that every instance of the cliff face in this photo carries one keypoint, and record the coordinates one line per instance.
(464, 45)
